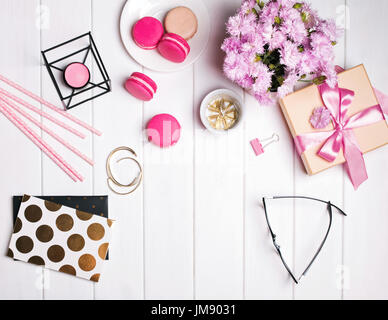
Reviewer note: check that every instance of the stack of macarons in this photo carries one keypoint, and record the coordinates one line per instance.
(180, 24)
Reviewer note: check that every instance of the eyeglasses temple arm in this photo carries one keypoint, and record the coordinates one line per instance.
(310, 198)
(276, 245)
(329, 205)
(340, 210)
(266, 217)
(286, 266)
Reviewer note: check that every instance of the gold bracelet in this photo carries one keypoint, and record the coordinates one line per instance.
(134, 184)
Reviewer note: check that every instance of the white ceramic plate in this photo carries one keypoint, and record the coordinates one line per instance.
(216, 94)
(151, 59)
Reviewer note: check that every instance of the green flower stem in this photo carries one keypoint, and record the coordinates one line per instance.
(266, 56)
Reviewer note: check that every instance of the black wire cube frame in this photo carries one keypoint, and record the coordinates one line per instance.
(105, 85)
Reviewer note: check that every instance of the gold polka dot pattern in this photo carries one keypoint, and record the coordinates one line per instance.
(102, 250)
(87, 262)
(44, 233)
(96, 231)
(76, 242)
(84, 216)
(10, 253)
(33, 213)
(68, 269)
(56, 253)
(60, 238)
(51, 206)
(25, 198)
(24, 244)
(18, 225)
(36, 260)
(64, 222)
(95, 277)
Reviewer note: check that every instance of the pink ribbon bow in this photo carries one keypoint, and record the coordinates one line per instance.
(337, 101)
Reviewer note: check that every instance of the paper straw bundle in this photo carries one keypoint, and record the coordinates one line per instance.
(7, 107)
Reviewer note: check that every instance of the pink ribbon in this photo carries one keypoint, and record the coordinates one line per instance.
(337, 101)
(382, 98)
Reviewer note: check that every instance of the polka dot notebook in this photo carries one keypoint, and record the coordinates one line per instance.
(60, 238)
(92, 204)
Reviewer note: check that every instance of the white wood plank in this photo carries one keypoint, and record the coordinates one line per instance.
(120, 117)
(311, 222)
(366, 237)
(68, 19)
(21, 159)
(219, 238)
(168, 193)
(271, 174)
(263, 280)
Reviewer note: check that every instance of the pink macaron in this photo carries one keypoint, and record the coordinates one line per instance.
(76, 75)
(173, 47)
(141, 86)
(147, 33)
(163, 130)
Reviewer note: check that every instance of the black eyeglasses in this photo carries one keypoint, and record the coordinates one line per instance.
(277, 247)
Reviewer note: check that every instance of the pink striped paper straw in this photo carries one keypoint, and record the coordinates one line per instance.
(50, 105)
(42, 113)
(46, 129)
(40, 143)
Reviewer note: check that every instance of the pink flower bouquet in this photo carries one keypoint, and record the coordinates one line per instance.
(271, 46)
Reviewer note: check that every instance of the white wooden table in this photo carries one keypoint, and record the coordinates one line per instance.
(195, 229)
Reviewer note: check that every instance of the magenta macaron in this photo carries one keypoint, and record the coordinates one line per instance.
(173, 47)
(147, 33)
(141, 86)
(163, 130)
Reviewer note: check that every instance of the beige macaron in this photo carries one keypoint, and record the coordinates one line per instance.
(182, 21)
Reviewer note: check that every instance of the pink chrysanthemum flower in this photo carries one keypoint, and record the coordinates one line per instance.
(329, 28)
(269, 12)
(247, 6)
(311, 16)
(330, 74)
(276, 43)
(277, 40)
(290, 55)
(231, 45)
(263, 79)
(288, 85)
(235, 67)
(246, 82)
